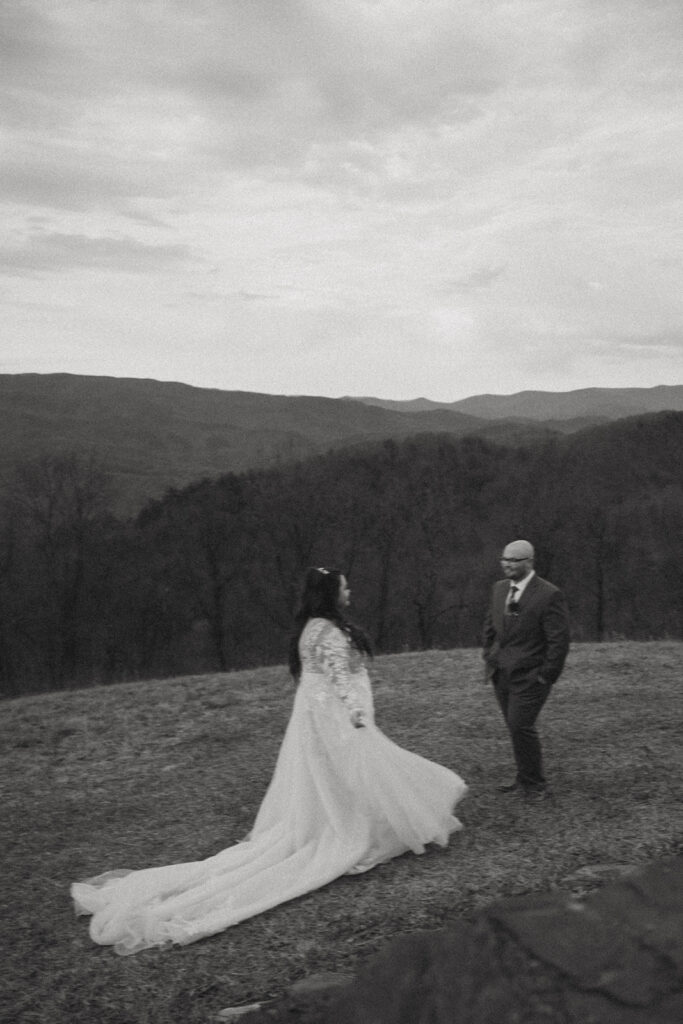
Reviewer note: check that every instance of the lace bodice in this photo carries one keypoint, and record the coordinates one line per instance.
(327, 653)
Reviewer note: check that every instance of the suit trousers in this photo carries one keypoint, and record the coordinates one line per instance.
(521, 704)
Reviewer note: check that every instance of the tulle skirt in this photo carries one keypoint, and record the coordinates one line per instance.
(341, 800)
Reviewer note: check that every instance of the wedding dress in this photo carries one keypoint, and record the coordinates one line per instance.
(341, 800)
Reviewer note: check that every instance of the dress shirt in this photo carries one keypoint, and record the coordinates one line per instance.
(521, 587)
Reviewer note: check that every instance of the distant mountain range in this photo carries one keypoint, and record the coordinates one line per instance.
(552, 406)
(152, 435)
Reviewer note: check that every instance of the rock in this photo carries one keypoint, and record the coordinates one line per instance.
(597, 874)
(586, 945)
(614, 958)
(306, 1002)
(237, 1012)
(323, 982)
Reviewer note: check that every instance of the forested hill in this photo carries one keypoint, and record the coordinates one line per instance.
(207, 577)
(151, 435)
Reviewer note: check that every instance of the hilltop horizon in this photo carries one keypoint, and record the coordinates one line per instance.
(422, 400)
(153, 435)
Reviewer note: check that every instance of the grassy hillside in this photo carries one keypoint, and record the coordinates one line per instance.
(174, 770)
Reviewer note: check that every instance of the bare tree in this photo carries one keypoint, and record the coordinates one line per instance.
(56, 500)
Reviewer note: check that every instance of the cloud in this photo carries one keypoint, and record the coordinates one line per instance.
(419, 175)
(481, 278)
(253, 296)
(233, 86)
(57, 253)
(57, 179)
(650, 345)
(398, 99)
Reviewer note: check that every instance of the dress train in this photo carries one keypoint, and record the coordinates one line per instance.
(341, 800)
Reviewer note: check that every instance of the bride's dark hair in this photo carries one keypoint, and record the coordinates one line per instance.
(320, 600)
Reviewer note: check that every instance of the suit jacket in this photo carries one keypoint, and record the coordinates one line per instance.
(532, 643)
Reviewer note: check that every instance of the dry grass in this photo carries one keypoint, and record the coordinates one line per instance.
(174, 770)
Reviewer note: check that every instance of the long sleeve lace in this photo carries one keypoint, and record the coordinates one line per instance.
(327, 651)
(337, 660)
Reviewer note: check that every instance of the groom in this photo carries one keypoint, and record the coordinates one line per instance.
(526, 639)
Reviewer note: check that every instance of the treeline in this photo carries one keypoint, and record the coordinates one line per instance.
(207, 578)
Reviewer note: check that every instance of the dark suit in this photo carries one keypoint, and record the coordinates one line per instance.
(521, 649)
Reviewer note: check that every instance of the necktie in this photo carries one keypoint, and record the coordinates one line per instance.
(512, 599)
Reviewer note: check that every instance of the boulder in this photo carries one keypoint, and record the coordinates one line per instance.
(614, 956)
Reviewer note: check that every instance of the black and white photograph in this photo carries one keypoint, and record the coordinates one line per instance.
(341, 511)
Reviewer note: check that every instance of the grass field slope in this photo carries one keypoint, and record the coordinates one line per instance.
(174, 770)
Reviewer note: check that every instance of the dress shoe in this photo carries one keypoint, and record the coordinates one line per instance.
(509, 787)
(536, 793)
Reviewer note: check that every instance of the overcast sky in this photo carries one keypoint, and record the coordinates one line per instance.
(343, 197)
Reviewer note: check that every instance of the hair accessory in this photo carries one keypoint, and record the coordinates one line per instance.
(325, 572)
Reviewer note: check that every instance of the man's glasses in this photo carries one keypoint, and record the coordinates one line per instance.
(514, 559)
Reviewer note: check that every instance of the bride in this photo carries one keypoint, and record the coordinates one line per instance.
(342, 799)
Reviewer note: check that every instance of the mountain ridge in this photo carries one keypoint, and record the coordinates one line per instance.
(154, 435)
(609, 403)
